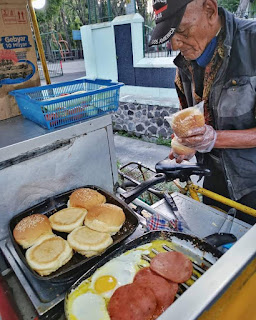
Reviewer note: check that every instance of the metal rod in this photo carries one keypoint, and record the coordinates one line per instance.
(224, 200)
(109, 11)
(39, 42)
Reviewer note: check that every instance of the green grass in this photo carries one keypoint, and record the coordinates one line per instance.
(127, 134)
(160, 140)
(164, 142)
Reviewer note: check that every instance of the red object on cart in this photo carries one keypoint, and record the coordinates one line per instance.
(8, 307)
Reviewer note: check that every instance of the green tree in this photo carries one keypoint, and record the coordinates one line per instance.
(46, 15)
(230, 5)
(253, 9)
(63, 16)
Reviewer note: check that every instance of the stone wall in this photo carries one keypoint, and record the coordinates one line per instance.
(143, 120)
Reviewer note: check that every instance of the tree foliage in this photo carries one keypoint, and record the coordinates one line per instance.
(230, 5)
(63, 16)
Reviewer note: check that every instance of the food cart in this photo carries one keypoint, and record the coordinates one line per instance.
(83, 154)
(37, 164)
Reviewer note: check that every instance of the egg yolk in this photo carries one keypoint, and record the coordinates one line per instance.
(104, 284)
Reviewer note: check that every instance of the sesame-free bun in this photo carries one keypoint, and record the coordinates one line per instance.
(187, 119)
(88, 242)
(105, 217)
(32, 229)
(179, 149)
(49, 255)
(85, 198)
(67, 219)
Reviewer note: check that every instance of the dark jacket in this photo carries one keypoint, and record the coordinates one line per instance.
(232, 100)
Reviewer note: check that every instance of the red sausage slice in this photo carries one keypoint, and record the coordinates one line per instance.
(174, 266)
(132, 302)
(144, 272)
(163, 290)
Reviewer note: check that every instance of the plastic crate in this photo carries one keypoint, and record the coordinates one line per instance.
(59, 104)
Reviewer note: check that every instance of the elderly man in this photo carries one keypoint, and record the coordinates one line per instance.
(217, 64)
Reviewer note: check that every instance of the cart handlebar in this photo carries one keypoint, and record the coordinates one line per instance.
(167, 170)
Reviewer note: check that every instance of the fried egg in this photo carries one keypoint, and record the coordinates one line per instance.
(115, 273)
(89, 300)
(89, 306)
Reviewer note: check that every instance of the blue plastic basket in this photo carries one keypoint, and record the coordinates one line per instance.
(59, 104)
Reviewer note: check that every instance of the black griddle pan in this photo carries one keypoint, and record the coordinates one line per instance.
(188, 244)
(79, 263)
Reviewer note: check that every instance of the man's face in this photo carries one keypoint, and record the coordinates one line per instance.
(194, 32)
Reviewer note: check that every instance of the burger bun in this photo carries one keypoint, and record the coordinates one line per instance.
(105, 217)
(32, 229)
(85, 198)
(186, 120)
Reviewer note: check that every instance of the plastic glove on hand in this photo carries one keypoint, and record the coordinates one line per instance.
(179, 158)
(202, 139)
(179, 151)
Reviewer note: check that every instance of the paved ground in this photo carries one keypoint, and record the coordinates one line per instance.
(129, 149)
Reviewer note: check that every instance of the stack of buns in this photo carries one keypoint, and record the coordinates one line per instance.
(46, 252)
(90, 221)
(101, 221)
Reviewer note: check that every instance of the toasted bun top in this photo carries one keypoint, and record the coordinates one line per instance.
(187, 119)
(83, 238)
(67, 216)
(86, 198)
(50, 253)
(49, 250)
(107, 213)
(31, 228)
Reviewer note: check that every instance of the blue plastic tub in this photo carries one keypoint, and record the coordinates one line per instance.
(59, 104)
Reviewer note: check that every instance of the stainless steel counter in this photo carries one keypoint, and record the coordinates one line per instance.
(18, 129)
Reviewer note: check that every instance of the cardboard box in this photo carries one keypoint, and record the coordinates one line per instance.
(18, 62)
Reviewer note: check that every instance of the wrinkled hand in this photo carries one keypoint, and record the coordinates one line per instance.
(179, 158)
(202, 139)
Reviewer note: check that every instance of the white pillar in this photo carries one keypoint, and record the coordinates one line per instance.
(99, 51)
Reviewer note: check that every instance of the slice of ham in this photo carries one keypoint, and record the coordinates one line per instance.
(163, 290)
(174, 266)
(132, 302)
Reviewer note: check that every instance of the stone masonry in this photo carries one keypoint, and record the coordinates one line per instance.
(143, 120)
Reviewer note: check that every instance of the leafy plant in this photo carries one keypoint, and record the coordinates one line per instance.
(165, 142)
(230, 5)
(127, 134)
